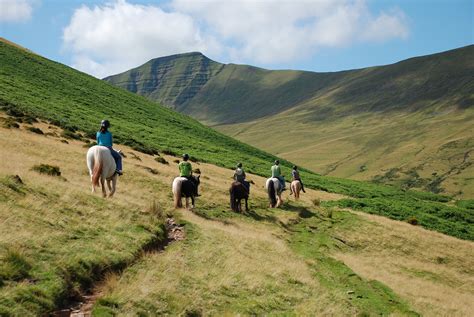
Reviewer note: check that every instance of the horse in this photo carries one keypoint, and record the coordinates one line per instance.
(274, 190)
(101, 165)
(184, 187)
(238, 192)
(296, 188)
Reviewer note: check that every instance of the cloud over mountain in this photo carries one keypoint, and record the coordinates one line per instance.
(116, 36)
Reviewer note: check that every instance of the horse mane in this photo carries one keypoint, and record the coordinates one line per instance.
(97, 171)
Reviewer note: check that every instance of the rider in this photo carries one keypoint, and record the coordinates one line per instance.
(104, 138)
(276, 173)
(186, 170)
(295, 174)
(239, 176)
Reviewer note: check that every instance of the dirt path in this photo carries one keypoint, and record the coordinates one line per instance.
(84, 306)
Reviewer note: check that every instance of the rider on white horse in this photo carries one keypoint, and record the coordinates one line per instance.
(295, 174)
(276, 173)
(186, 169)
(104, 138)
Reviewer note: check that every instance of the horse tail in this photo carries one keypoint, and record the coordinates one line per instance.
(177, 193)
(232, 197)
(97, 171)
(271, 192)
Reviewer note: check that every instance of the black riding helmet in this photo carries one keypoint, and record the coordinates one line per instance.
(239, 165)
(277, 162)
(105, 124)
(295, 167)
(185, 156)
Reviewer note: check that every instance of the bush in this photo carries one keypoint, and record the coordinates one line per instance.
(413, 221)
(169, 152)
(10, 123)
(35, 130)
(161, 160)
(47, 169)
(316, 202)
(70, 135)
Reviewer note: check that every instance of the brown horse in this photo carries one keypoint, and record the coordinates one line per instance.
(238, 192)
(296, 188)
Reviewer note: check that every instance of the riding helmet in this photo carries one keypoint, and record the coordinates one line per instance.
(185, 156)
(105, 124)
(294, 167)
(239, 165)
(277, 162)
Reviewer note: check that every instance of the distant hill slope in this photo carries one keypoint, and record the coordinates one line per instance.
(337, 123)
(220, 94)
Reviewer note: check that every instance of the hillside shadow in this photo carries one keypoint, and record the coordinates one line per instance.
(302, 212)
(258, 217)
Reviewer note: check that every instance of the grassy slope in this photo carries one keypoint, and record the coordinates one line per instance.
(369, 146)
(51, 91)
(170, 80)
(262, 262)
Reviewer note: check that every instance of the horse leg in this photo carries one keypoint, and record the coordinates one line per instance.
(192, 201)
(279, 201)
(102, 184)
(246, 204)
(114, 185)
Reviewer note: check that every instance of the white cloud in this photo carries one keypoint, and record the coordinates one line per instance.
(15, 10)
(117, 36)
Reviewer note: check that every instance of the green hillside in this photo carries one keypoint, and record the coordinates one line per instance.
(337, 123)
(77, 102)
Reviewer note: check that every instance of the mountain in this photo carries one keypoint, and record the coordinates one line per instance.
(409, 123)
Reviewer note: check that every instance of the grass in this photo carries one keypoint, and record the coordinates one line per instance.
(47, 169)
(77, 102)
(57, 239)
(267, 261)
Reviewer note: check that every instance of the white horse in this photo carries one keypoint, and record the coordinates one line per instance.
(183, 187)
(296, 188)
(274, 190)
(101, 165)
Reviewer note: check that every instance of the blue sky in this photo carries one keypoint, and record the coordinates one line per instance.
(106, 37)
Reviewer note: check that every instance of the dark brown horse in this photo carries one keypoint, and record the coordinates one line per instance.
(237, 193)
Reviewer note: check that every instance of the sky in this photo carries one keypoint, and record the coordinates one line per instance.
(108, 37)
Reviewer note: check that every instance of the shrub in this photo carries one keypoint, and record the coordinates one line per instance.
(10, 123)
(161, 160)
(35, 130)
(316, 202)
(169, 152)
(47, 169)
(412, 221)
(70, 135)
